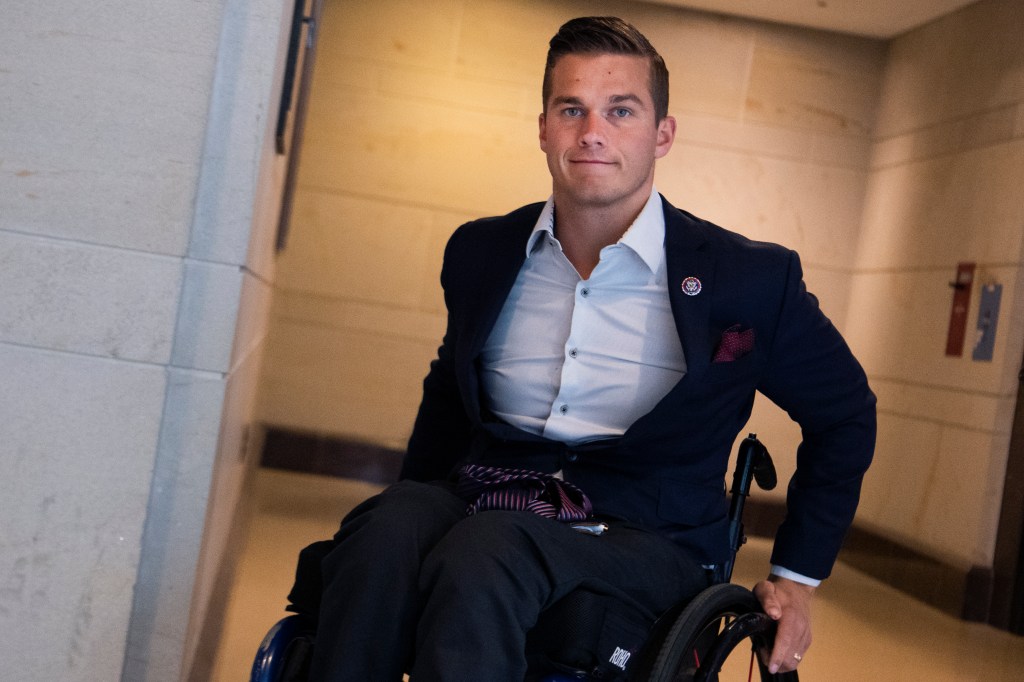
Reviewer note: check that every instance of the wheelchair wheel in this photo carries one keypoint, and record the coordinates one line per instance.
(285, 653)
(717, 637)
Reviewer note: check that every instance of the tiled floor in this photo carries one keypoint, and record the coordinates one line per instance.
(864, 630)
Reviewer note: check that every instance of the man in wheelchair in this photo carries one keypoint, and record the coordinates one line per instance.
(602, 353)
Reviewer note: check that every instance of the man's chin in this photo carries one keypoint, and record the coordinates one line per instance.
(597, 196)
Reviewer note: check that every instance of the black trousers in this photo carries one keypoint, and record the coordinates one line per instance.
(415, 585)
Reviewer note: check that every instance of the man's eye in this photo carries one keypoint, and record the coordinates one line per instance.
(572, 111)
(621, 112)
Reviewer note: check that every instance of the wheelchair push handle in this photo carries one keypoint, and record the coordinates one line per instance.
(753, 463)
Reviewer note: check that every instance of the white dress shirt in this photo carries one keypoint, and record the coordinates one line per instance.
(574, 359)
(577, 360)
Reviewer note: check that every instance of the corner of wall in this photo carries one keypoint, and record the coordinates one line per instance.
(206, 436)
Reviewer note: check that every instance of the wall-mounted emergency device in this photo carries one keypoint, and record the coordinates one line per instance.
(961, 303)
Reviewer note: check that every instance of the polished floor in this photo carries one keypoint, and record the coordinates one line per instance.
(864, 630)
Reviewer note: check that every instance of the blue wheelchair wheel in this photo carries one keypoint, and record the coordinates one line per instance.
(284, 652)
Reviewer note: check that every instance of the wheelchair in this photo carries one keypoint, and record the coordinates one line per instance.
(715, 636)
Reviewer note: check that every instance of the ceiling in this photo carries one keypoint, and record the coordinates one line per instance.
(873, 18)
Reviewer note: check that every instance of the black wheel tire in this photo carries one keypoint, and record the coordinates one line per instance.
(690, 635)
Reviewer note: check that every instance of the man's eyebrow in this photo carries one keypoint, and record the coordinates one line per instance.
(575, 101)
(619, 99)
(614, 99)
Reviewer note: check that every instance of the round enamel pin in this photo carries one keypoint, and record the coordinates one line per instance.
(691, 286)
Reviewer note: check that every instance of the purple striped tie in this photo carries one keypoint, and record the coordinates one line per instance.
(487, 488)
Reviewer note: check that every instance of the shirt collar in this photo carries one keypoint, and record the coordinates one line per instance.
(646, 236)
(545, 226)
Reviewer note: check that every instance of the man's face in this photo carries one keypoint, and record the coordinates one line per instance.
(599, 130)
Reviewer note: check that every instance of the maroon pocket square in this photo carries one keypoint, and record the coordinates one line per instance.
(734, 344)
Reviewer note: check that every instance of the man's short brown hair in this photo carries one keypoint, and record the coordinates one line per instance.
(608, 35)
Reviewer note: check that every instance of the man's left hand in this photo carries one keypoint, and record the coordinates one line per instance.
(789, 604)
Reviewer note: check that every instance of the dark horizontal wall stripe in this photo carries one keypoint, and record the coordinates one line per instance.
(962, 594)
(328, 456)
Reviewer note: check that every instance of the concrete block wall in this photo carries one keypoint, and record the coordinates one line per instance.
(946, 171)
(882, 163)
(134, 293)
(424, 115)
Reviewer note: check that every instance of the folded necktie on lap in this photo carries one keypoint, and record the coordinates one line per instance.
(487, 488)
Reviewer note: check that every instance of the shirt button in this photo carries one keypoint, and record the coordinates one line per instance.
(584, 292)
(563, 408)
(573, 353)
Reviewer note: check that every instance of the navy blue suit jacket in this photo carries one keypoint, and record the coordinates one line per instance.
(667, 472)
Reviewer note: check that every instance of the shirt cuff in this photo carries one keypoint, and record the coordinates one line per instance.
(795, 577)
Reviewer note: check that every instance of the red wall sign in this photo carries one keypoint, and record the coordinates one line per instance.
(961, 304)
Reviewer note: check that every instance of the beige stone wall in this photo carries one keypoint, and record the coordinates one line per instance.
(135, 268)
(945, 186)
(882, 164)
(424, 115)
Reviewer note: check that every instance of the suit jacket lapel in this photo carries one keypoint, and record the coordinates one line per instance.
(502, 271)
(499, 263)
(687, 256)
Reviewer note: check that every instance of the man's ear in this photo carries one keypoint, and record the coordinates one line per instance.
(666, 136)
(542, 131)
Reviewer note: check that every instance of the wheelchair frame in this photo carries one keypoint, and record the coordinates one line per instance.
(692, 641)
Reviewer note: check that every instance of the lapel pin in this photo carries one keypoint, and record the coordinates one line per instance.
(691, 286)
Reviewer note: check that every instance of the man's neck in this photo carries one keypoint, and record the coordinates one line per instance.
(584, 230)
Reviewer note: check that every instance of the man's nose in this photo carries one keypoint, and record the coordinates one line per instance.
(592, 130)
